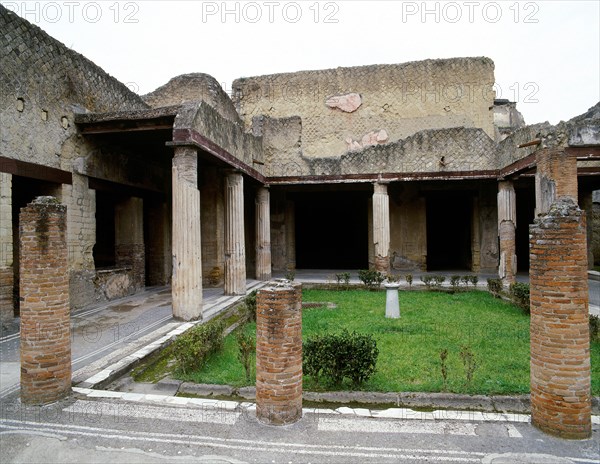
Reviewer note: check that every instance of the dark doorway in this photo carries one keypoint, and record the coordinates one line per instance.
(525, 199)
(104, 248)
(449, 231)
(332, 230)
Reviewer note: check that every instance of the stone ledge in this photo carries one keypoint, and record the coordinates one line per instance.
(594, 275)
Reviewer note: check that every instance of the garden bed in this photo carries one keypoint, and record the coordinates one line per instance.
(495, 331)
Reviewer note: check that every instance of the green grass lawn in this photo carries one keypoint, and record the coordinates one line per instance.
(409, 358)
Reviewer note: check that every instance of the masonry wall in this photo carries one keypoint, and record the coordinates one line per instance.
(6, 247)
(44, 85)
(400, 99)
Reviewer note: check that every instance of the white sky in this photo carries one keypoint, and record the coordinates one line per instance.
(547, 53)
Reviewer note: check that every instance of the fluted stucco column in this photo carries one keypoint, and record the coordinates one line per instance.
(507, 223)
(235, 247)
(263, 234)
(186, 285)
(381, 227)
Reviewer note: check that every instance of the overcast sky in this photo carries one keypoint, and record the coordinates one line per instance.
(547, 53)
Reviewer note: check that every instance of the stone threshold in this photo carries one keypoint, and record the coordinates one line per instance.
(402, 413)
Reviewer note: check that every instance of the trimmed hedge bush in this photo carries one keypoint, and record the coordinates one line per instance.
(338, 356)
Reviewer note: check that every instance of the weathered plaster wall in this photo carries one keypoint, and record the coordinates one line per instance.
(229, 136)
(485, 229)
(399, 99)
(43, 84)
(194, 87)
(212, 221)
(444, 150)
(408, 228)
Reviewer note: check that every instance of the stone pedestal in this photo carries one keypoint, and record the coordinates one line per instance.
(507, 223)
(235, 246)
(381, 228)
(392, 304)
(45, 312)
(186, 286)
(560, 344)
(263, 234)
(279, 353)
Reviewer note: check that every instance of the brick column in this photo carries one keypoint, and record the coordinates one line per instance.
(263, 234)
(235, 246)
(279, 353)
(507, 222)
(560, 344)
(555, 177)
(186, 286)
(45, 316)
(381, 227)
(6, 248)
(129, 239)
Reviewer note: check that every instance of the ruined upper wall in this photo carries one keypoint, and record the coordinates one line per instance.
(193, 87)
(43, 84)
(345, 109)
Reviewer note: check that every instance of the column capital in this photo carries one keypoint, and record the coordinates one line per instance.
(380, 187)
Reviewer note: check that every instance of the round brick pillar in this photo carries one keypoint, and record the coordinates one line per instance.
(44, 289)
(560, 344)
(279, 353)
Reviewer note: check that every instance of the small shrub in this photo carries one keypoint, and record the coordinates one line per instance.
(194, 347)
(392, 278)
(439, 280)
(468, 359)
(343, 278)
(290, 275)
(338, 356)
(495, 287)
(455, 282)
(409, 280)
(246, 349)
(371, 278)
(474, 280)
(465, 280)
(427, 280)
(520, 294)
(444, 367)
(594, 328)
